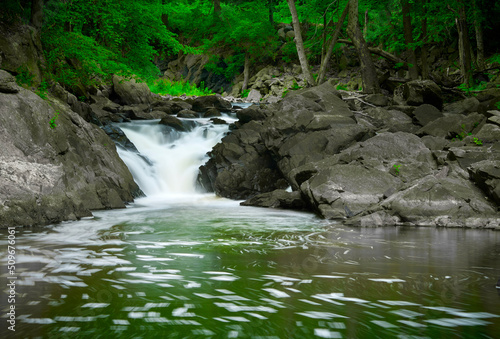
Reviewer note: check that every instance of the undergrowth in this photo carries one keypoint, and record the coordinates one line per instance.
(177, 88)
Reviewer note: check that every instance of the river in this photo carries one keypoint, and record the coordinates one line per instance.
(184, 264)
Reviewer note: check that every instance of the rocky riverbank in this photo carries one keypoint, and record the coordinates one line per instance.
(366, 160)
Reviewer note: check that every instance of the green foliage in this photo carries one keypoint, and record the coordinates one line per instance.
(52, 122)
(497, 105)
(245, 93)
(24, 77)
(177, 88)
(477, 141)
(462, 134)
(42, 90)
(396, 168)
(87, 41)
(342, 87)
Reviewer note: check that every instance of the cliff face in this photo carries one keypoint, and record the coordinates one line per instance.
(54, 166)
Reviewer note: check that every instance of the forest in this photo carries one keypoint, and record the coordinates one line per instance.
(85, 42)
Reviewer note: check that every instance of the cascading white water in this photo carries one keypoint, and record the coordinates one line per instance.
(168, 161)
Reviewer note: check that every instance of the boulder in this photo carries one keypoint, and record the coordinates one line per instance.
(426, 113)
(277, 199)
(204, 103)
(54, 165)
(8, 83)
(131, 92)
(254, 96)
(486, 175)
(253, 112)
(187, 114)
(377, 99)
(211, 112)
(22, 52)
(453, 125)
(418, 92)
(465, 106)
(173, 122)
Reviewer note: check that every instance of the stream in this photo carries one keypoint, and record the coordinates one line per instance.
(183, 264)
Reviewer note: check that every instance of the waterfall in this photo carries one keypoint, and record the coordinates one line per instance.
(167, 162)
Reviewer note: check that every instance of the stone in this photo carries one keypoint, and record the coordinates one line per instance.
(254, 96)
(426, 113)
(187, 114)
(377, 99)
(8, 83)
(131, 92)
(277, 199)
(54, 165)
(452, 125)
(465, 106)
(248, 114)
(173, 122)
(212, 112)
(204, 103)
(418, 92)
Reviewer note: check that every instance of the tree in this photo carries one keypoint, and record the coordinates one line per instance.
(368, 72)
(463, 44)
(408, 35)
(299, 43)
(37, 14)
(326, 58)
(217, 7)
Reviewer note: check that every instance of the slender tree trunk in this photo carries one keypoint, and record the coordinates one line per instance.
(365, 28)
(37, 14)
(246, 72)
(323, 38)
(464, 44)
(479, 37)
(217, 7)
(424, 52)
(271, 12)
(331, 45)
(300, 44)
(408, 34)
(368, 72)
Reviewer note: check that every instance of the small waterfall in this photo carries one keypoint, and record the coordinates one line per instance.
(168, 160)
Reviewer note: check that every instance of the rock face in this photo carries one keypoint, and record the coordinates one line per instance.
(372, 168)
(55, 166)
(131, 92)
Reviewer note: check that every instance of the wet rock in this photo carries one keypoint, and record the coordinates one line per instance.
(212, 112)
(277, 199)
(187, 114)
(218, 121)
(204, 103)
(253, 112)
(173, 122)
(486, 174)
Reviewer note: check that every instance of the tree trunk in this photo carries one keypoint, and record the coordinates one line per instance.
(424, 51)
(408, 34)
(300, 44)
(331, 45)
(368, 73)
(365, 28)
(271, 12)
(464, 45)
(246, 72)
(217, 7)
(479, 37)
(37, 14)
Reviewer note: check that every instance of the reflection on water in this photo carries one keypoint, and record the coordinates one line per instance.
(213, 269)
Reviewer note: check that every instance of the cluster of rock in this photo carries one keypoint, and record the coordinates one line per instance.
(54, 165)
(57, 164)
(366, 160)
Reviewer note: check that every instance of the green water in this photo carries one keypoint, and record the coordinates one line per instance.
(207, 268)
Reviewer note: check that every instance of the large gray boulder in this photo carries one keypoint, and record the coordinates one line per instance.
(204, 103)
(418, 92)
(131, 92)
(55, 166)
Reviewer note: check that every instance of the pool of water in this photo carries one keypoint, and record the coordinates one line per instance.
(196, 266)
